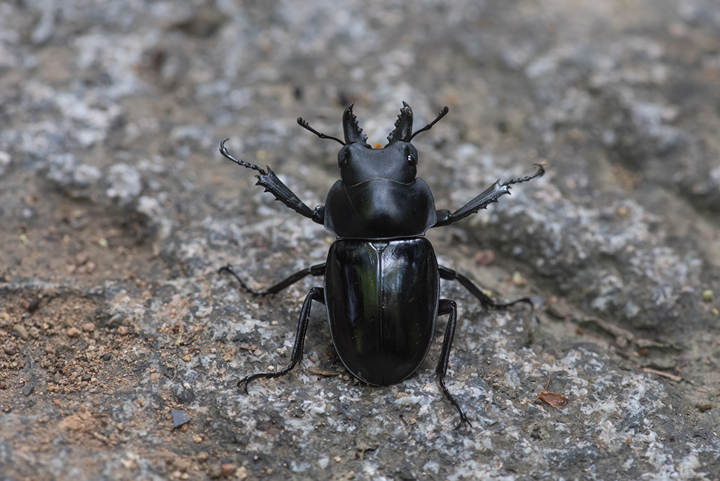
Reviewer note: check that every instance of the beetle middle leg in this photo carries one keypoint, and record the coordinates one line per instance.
(316, 270)
(451, 275)
(447, 306)
(487, 302)
(315, 294)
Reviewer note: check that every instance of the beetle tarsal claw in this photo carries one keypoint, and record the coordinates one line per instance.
(464, 422)
(243, 384)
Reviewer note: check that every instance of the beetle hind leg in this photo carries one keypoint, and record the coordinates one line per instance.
(315, 294)
(448, 307)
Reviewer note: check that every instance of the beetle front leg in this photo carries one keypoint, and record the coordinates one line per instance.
(448, 307)
(485, 198)
(315, 294)
(316, 270)
(276, 187)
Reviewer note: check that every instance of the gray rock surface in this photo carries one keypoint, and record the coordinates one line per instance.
(117, 211)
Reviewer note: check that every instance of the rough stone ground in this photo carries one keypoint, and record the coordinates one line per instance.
(117, 210)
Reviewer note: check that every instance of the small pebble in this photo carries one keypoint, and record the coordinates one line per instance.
(10, 348)
(123, 330)
(518, 279)
(179, 418)
(183, 464)
(88, 327)
(707, 295)
(73, 332)
(241, 473)
(29, 388)
(227, 470)
(33, 305)
(20, 330)
(484, 257)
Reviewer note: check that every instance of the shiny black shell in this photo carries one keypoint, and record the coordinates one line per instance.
(382, 301)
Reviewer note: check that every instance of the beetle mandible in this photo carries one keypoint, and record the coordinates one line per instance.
(382, 279)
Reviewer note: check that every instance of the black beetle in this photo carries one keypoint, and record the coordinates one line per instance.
(382, 280)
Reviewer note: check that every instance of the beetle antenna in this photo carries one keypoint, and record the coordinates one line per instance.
(442, 114)
(304, 124)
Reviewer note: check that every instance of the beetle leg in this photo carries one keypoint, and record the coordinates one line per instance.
(485, 198)
(486, 301)
(451, 275)
(316, 270)
(448, 307)
(315, 294)
(276, 187)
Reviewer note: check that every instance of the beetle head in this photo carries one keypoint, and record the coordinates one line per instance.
(359, 162)
(397, 161)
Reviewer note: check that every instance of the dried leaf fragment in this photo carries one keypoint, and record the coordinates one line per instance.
(552, 399)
